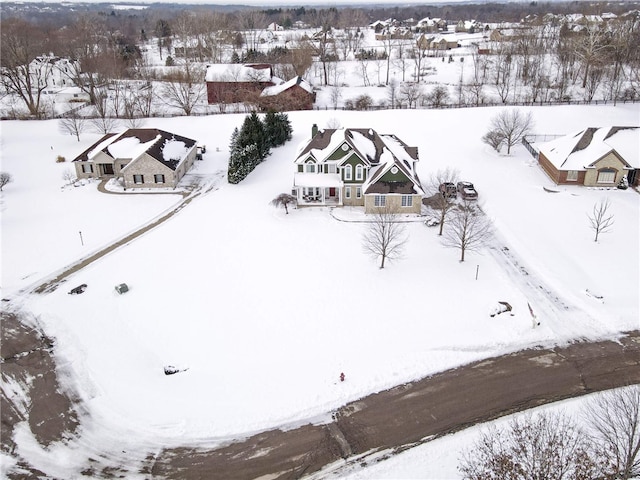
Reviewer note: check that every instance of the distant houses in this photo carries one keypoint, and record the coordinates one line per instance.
(357, 167)
(141, 157)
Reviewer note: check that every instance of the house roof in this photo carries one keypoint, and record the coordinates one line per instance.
(165, 147)
(582, 149)
(366, 142)
(233, 72)
(277, 89)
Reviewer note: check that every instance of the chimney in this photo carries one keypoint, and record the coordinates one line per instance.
(314, 130)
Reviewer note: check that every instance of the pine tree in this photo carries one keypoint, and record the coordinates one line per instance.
(277, 128)
(253, 133)
(233, 175)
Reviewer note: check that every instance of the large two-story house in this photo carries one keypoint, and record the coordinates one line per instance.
(357, 167)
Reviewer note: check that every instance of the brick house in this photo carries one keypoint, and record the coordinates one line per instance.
(593, 156)
(141, 157)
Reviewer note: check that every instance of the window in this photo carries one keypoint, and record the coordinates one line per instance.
(311, 168)
(606, 175)
(332, 168)
(158, 178)
(572, 176)
(347, 172)
(358, 192)
(87, 168)
(137, 179)
(347, 192)
(359, 170)
(407, 201)
(379, 201)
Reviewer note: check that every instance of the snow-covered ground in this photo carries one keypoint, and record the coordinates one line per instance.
(266, 309)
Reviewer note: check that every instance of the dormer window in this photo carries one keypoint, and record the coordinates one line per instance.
(310, 167)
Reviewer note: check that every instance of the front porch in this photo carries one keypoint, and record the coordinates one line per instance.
(313, 189)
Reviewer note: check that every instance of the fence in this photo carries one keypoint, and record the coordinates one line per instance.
(248, 108)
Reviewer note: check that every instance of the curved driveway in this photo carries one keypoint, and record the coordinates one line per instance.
(412, 413)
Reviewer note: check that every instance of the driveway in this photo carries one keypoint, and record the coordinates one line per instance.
(404, 416)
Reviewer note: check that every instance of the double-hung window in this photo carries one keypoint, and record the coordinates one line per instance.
(407, 200)
(158, 178)
(572, 176)
(379, 200)
(359, 170)
(348, 174)
(87, 168)
(138, 179)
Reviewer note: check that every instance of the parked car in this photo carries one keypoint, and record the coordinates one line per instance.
(448, 190)
(467, 190)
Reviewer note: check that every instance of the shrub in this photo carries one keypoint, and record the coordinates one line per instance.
(60, 159)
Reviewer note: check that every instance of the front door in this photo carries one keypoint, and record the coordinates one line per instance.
(332, 192)
(107, 168)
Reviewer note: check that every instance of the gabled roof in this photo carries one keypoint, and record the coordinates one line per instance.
(365, 142)
(277, 89)
(234, 72)
(165, 147)
(582, 149)
(372, 184)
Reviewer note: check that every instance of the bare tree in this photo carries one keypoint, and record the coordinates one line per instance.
(68, 176)
(5, 178)
(73, 124)
(532, 447)
(600, 220)
(468, 229)
(614, 421)
(22, 74)
(300, 57)
(502, 72)
(392, 92)
(438, 97)
(253, 24)
(385, 237)
(439, 199)
(493, 138)
(411, 92)
(284, 200)
(512, 126)
(104, 125)
(335, 94)
(185, 88)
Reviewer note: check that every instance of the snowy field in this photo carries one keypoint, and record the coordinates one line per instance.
(266, 309)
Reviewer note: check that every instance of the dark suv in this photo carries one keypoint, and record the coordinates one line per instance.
(467, 191)
(448, 190)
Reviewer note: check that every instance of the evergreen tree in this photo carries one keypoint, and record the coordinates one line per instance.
(277, 128)
(233, 175)
(253, 133)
